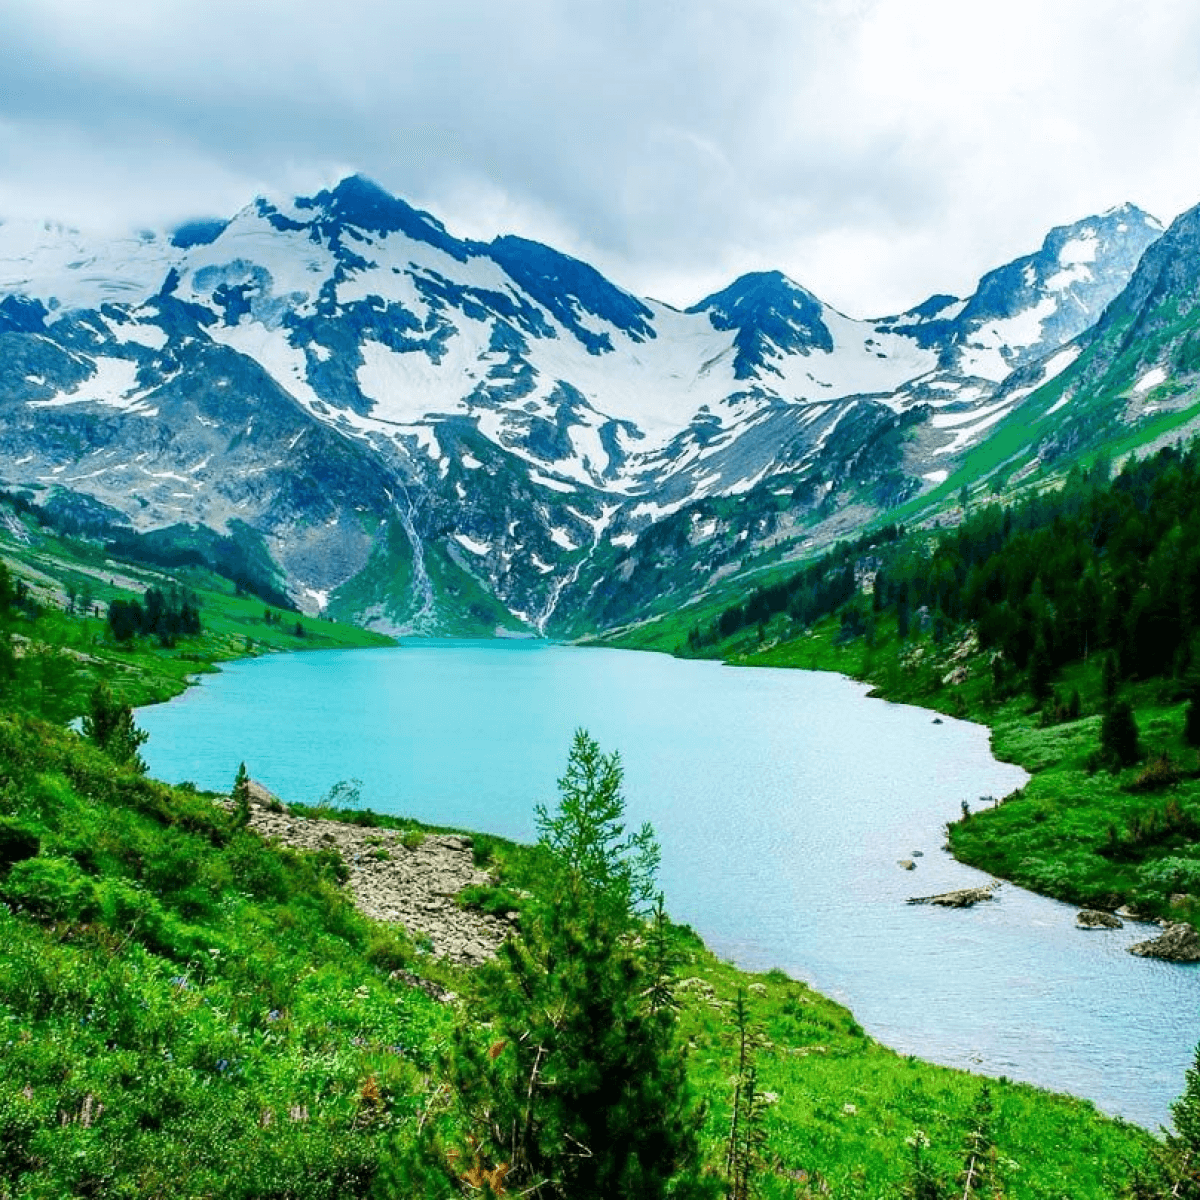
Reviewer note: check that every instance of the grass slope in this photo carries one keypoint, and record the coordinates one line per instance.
(142, 671)
(189, 1011)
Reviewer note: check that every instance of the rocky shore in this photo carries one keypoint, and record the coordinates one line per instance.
(961, 897)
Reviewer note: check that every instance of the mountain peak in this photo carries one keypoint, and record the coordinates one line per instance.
(562, 285)
(1131, 212)
(361, 203)
(1166, 274)
(757, 286)
(772, 314)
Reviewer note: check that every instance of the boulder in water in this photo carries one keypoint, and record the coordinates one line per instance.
(1177, 943)
(1091, 918)
(961, 898)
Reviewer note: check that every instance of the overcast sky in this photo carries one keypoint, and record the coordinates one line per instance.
(875, 150)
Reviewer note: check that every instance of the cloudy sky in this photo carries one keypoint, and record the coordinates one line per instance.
(875, 150)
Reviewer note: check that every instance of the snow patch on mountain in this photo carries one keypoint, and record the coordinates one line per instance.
(477, 548)
(408, 386)
(966, 437)
(989, 353)
(1151, 379)
(69, 270)
(941, 420)
(113, 383)
(272, 350)
(1056, 364)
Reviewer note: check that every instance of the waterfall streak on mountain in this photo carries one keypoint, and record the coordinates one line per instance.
(424, 612)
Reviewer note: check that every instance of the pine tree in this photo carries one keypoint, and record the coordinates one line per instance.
(241, 798)
(1183, 1146)
(1110, 679)
(979, 1178)
(592, 855)
(922, 1182)
(662, 959)
(109, 724)
(570, 1081)
(1119, 735)
(1191, 722)
(1041, 672)
(747, 1137)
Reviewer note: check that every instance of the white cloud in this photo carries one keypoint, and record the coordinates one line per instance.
(875, 150)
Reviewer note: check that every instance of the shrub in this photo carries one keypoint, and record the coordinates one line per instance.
(16, 843)
(497, 901)
(256, 869)
(1191, 722)
(1160, 772)
(389, 949)
(53, 888)
(329, 864)
(1119, 735)
(1171, 874)
(109, 725)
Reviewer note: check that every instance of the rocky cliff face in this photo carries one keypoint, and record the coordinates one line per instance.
(429, 433)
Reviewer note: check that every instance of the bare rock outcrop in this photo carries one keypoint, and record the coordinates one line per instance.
(391, 882)
(1092, 918)
(261, 797)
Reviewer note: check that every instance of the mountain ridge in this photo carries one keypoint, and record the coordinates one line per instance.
(337, 368)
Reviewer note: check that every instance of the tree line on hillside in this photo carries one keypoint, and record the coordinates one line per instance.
(172, 548)
(1098, 566)
(809, 594)
(166, 614)
(40, 675)
(226, 556)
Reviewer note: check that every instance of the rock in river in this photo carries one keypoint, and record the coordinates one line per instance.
(1177, 943)
(1091, 918)
(962, 898)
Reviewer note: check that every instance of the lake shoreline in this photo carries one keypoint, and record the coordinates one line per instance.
(767, 900)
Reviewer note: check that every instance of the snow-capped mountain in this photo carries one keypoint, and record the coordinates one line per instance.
(436, 433)
(1137, 366)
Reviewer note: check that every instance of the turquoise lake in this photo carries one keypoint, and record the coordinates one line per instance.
(783, 801)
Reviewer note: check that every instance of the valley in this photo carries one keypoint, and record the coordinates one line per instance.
(334, 408)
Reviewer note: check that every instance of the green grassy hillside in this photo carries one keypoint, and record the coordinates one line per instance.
(190, 1011)
(65, 643)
